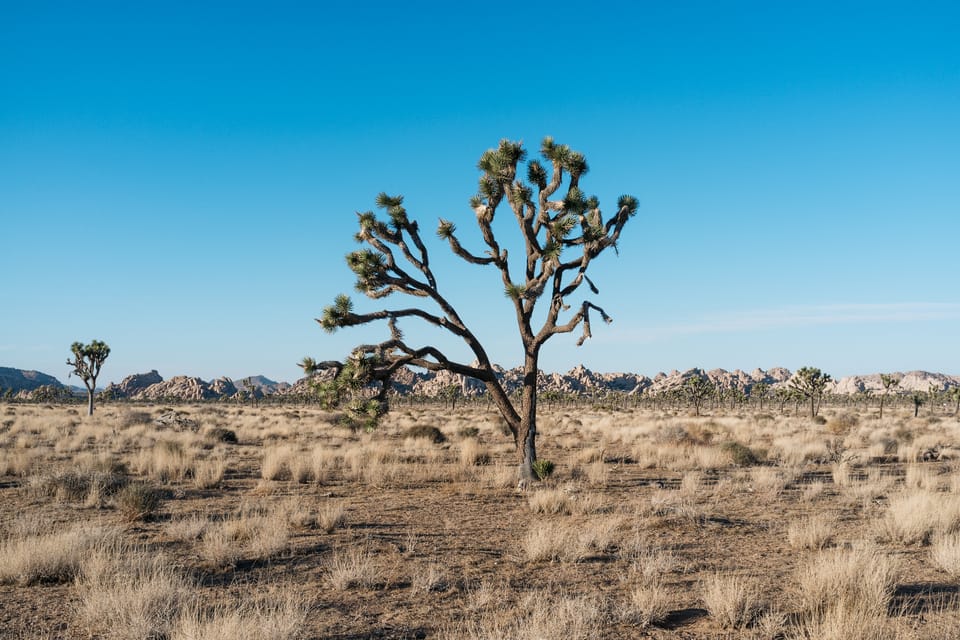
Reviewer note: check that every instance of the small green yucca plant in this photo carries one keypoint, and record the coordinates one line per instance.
(543, 469)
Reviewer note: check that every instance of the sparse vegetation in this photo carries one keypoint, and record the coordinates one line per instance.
(797, 541)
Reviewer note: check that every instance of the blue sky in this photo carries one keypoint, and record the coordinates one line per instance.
(180, 181)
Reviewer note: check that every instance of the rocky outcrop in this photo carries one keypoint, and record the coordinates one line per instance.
(130, 386)
(177, 388)
(910, 382)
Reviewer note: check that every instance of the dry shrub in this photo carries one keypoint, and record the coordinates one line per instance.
(649, 604)
(814, 532)
(76, 485)
(209, 473)
(569, 542)
(433, 578)
(813, 491)
(733, 601)
(945, 554)
(138, 501)
(278, 616)
(855, 580)
(426, 432)
(332, 516)
(921, 477)
(166, 461)
(130, 595)
(536, 616)
(739, 454)
(251, 535)
(915, 517)
(52, 557)
(275, 464)
(352, 569)
(188, 528)
(550, 501)
(472, 453)
(842, 424)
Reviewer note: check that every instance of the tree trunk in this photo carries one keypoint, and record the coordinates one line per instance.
(813, 408)
(881, 407)
(89, 402)
(526, 440)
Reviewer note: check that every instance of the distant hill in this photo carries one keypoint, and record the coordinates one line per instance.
(22, 380)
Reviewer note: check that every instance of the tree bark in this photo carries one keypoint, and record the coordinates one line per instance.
(89, 401)
(526, 440)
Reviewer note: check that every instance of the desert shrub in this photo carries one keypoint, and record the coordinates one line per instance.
(842, 424)
(133, 418)
(740, 454)
(51, 557)
(543, 469)
(426, 432)
(733, 601)
(222, 434)
(139, 501)
(75, 485)
(468, 432)
(473, 454)
(819, 420)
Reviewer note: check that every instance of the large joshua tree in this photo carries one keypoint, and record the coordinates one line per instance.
(86, 363)
(562, 232)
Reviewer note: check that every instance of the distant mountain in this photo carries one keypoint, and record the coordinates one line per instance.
(22, 380)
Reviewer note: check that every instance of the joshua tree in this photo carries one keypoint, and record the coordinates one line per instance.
(954, 394)
(698, 388)
(760, 391)
(918, 400)
(560, 237)
(250, 390)
(889, 381)
(783, 395)
(810, 382)
(86, 363)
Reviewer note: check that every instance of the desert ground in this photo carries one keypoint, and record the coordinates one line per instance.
(233, 521)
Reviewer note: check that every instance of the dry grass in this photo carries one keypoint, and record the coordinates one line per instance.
(130, 594)
(53, 557)
(812, 532)
(353, 569)
(733, 601)
(405, 537)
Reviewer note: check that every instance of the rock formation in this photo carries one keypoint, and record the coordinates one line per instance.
(132, 385)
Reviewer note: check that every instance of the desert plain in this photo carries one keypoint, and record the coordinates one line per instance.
(225, 520)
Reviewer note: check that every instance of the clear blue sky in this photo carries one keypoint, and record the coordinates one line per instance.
(180, 179)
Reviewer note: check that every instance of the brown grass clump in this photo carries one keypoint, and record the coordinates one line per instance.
(352, 569)
(130, 595)
(733, 601)
(845, 581)
(813, 532)
(53, 557)
(278, 616)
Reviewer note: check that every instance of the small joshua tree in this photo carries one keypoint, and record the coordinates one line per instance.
(86, 363)
(760, 391)
(889, 381)
(559, 239)
(810, 383)
(697, 389)
(954, 394)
